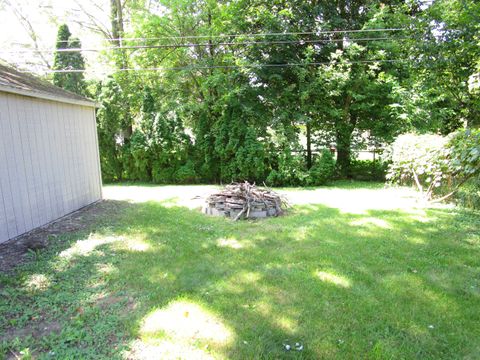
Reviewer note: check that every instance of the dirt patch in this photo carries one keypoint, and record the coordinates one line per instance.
(35, 329)
(14, 252)
(128, 303)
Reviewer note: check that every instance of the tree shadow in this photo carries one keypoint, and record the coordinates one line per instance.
(342, 285)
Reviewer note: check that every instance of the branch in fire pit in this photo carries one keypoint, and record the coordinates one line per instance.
(244, 200)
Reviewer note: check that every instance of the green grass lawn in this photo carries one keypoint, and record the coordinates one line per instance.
(156, 280)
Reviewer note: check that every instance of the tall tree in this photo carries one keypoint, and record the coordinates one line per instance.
(452, 56)
(69, 60)
(297, 94)
(249, 99)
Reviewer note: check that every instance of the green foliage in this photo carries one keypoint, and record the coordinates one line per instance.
(235, 116)
(289, 170)
(240, 138)
(73, 60)
(421, 160)
(469, 194)
(369, 170)
(458, 52)
(243, 118)
(158, 149)
(110, 120)
(465, 163)
(465, 153)
(323, 169)
(289, 173)
(140, 167)
(434, 162)
(186, 173)
(351, 96)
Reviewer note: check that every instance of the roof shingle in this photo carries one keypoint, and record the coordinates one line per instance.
(11, 80)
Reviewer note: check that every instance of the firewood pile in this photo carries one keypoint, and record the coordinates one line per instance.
(244, 200)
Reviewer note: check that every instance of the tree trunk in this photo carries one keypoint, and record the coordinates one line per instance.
(116, 18)
(343, 133)
(309, 145)
(343, 153)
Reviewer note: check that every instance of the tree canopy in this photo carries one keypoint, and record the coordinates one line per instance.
(65, 60)
(254, 89)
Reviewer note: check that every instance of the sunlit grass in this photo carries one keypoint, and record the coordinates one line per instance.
(186, 321)
(347, 278)
(333, 279)
(37, 282)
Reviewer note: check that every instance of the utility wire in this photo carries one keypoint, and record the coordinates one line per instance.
(319, 32)
(203, 67)
(188, 45)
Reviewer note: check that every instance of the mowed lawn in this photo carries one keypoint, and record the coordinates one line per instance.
(354, 271)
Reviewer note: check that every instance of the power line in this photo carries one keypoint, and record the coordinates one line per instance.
(318, 32)
(203, 67)
(188, 45)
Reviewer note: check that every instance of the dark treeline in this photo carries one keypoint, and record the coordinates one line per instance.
(232, 110)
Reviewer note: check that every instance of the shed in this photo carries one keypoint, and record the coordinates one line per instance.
(49, 159)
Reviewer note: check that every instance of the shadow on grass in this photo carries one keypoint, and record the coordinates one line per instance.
(168, 282)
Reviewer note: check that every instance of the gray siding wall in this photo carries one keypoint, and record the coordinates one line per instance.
(49, 162)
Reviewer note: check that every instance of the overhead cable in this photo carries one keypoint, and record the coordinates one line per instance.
(189, 45)
(203, 67)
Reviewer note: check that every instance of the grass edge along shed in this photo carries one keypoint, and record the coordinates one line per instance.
(49, 157)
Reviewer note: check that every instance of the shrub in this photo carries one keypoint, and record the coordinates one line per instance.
(464, 150)
(322, 170)
(290, 171)
(434, 163)
(162, 173)
(110, 117)
(419, 160)
(469, 194)
(139, 166)
(369, 170)
(186, 173)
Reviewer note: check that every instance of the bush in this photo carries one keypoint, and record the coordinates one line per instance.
(420, 160)
(437, 165)
(186, 174)
(137, 151)
(322, 170)
(294, 176)
(469, 194)
(465, 155)
(368, 170)
(163, 173)
(464, 148)
(290, 170)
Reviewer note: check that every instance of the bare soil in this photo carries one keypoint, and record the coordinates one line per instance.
(15, 251)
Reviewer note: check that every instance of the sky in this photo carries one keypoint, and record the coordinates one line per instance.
(45, 16)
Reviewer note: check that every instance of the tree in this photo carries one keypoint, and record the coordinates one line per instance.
(69, 60)
(447, 58)
(110, 122)
(353, 96)
(247, 101)
(348, 95)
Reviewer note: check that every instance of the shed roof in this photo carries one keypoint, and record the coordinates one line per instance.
(14, 81)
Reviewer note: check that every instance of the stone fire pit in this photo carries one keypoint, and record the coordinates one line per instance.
(245, 201)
